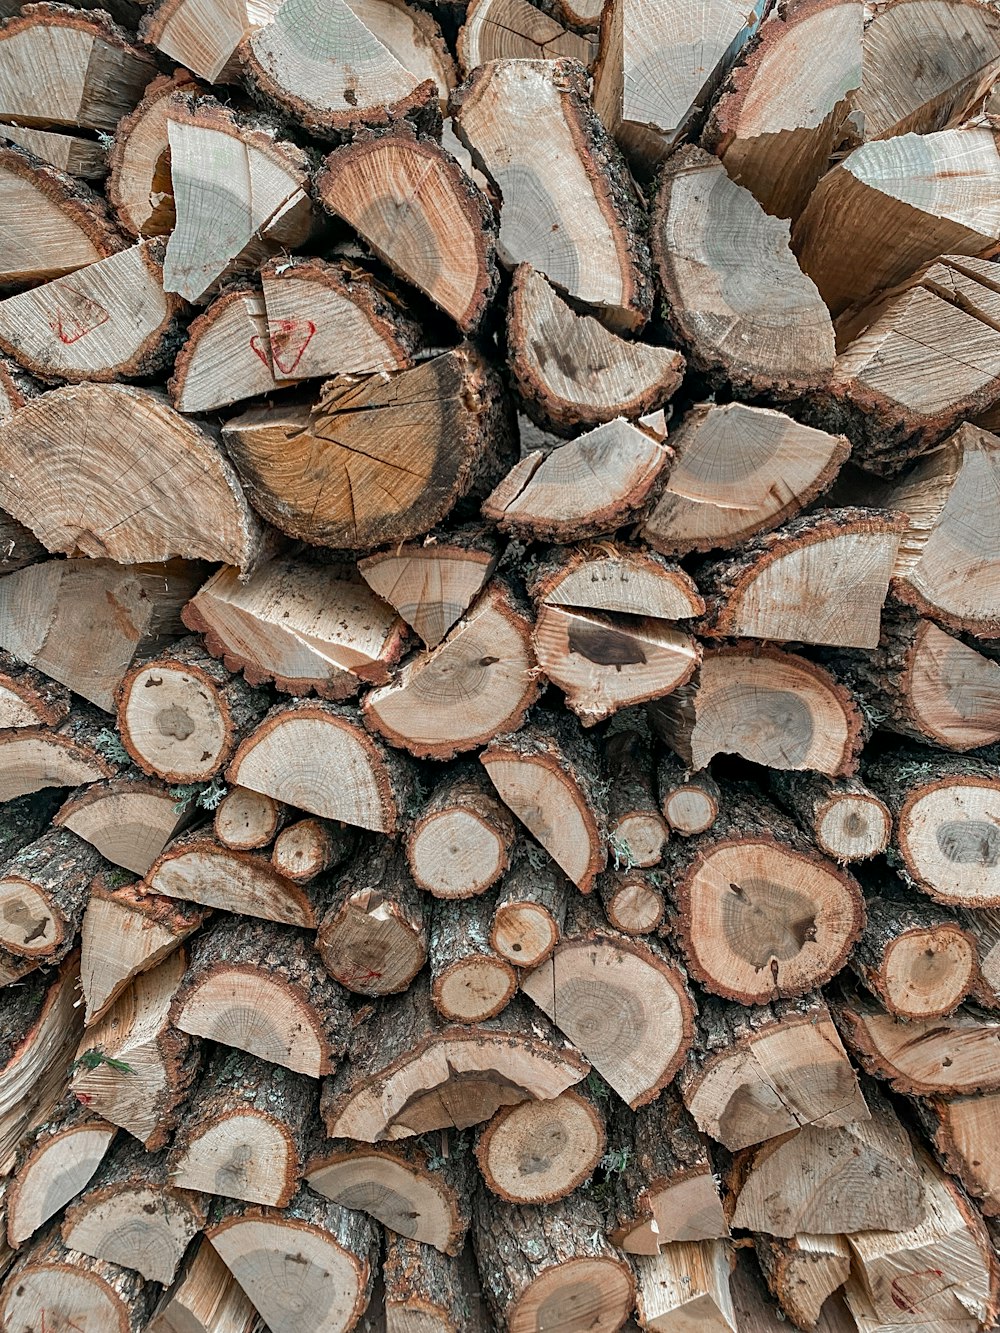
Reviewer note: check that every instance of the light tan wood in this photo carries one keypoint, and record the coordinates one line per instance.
(539, 1151)
(206, 1298)
(69, 152)
(247, 819)
(139, 187)
(33, 758)
(460, 843)
(27, 698)
(516, 30)
(203, 35)
(803, 1273)
(58, 1161)
(129, 820)
(686, 1287)
(609, 576)
(195, 869)
(227, 355)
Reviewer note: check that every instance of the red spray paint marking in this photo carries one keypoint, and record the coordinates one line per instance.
(899, 1296)
(260, 345)
(289, 339)
(75, 316)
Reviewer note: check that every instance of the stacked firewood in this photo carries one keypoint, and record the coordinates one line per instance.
(499, 666)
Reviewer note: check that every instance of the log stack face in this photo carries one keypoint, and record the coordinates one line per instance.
(499, 666)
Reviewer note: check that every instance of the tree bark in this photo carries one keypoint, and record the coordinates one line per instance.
(470, 981)
(637, 832)
(690, 802)
(424, 1285)
(529, 908)
(845, 819)
(307, 848)
(44, 890)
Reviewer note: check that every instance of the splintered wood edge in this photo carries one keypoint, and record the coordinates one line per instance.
(82, 207)
(161, 87)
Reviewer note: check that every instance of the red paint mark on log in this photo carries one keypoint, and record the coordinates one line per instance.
(75, 316)
(289, 339)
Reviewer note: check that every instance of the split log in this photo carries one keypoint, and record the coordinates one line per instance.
(27, 698)
(894, 205)
(182, 715)
(410, 1072)
(340, 483)
(591, 486)
(203, 37)
(529, 908)
(951, 1056)
(334, 318)
(460, 843)
(757, 1314)
(633, 900)
(624, 1002)
(611, 577)
(947, 841)
(205, 1299)
(133, 1066)
(802, 1273)
(52, 1287)
(421, 214)
(818, 579)
(540, 1151)
(248, 820)
(637, 831)
(308, 847)
(659, 1188)
(373, 937)
(132, 1215)
(549, 775)
(846, 820)
(226, 356)
(138, 186)
(258, 987)
(421, 1195)
(470, 981)
(743, 309)
(214, 155)
(690, 801)
(686, 1284)
(43, 892)
(550, 1265)
(139, 504)
(306, 627)
(55, 1162)
(433, 584)
(963, 1132)
(516, 30)
(243, 1133)
(755, 1073)
(307, 1268)
(478, 683)
(129, 819)
(110, 320)
(941, 1272)
(570, 370)
(76, 156)
(785, 109)
(47, 614)
(659, 66)
(759, 913)
(769, 706)
(915, 957)
(127, 931)
(53, 224)
(819, 1180)
(581, 222)
(422, 1284)
(739, 471)
(338, 70)
(33, 758)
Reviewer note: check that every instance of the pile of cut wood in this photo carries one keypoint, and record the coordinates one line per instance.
(500, 666)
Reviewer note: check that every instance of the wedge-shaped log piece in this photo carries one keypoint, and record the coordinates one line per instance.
(963, 1131)
(243, 1134)
(772, 707)
(52, 224)
(320, 758)
(460, 843)
(138, 187)
(203, 35)
(309, 628)
(903, 93)
(307, 1268)
(529, 908)
(27, 698)
(32, 758)
(756, 1073)
(128, 819)
(895, 204)
(819, 579)
(133, 1066)
(738, 471)
(590, 486)
(624, 1002)
(432, 584)
(540, 1151)
(686, 1285)
(71, 153)
(54, 1164)
(259, 987)
(205, 1298)
(126, 931)
(43, 892)
(915, 956)
(570, 208)
(742, 306)
(983, 924)
(239, 193)
(606, 576)
(516, 30)
(334, 318)
(48, 612)
(421, 214)
(550, 1265)
(846, 820)
(146, 486)
(784, 109)
(756, 1312)
(477, 683)
(58, 67)
(227, 355)
(421, 1195)
(549, 775)
(759, 914)
(333, 474)
(570, 370)
(659, 65)
(409, 1071)
(247, 820)
(41, 1029)
(336, 68)
(940, 1273)
(802, 1273)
